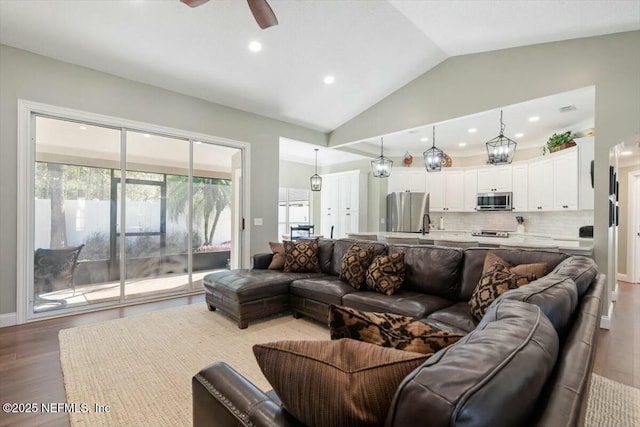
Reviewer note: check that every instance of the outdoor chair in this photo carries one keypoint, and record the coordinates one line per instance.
(54, 268)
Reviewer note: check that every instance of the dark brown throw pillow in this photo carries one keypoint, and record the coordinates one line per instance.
(277, 262)
(335, 383)
(388, 330)
(301, 256)
(498, 276)
(386, 273)
(354, 265)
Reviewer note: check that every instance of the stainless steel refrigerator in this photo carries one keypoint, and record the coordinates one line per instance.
(408, 212)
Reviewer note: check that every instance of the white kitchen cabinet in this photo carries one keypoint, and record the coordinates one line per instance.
(470, 190)
(454, 190)
(407, 179)
(436, 189)
(446, 191)
(495, 179)
(540, 185)
(565, 180)
(585, 157)
(343, 203)
(520, 200)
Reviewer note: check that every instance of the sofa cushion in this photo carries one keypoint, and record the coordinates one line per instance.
(386, 273)
(406, 303)
(388, 330)
(458, 316)
(245, 285)
(333, 383)
(327, 289)
(431, 270)
(491, 377)
(277, 262)
(580, 269)
(474, 261)
(355, 262)
(498, 278)
(301, 256)
(556, 295)
(341, 246)
(325, 254)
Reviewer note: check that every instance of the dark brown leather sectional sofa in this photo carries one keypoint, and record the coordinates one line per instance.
(527, 362)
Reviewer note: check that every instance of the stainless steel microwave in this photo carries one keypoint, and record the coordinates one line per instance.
(494, 201)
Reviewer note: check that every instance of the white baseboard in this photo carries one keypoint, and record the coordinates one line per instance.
(614, 294)
(605, 320)
(8, 319)
(623, 277)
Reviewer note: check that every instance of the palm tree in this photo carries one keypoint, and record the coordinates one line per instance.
(210, 197)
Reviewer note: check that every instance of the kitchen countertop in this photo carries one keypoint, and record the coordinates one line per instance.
(573, 245)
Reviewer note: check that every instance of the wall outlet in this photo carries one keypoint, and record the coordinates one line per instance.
(382, 221)
(257, 221)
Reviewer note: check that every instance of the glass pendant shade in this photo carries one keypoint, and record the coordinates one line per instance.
(316, 180)
(381, 166)
(433, 156)
(500, 149)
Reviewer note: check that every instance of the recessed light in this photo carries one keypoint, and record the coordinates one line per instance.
(626, 153)
(255, 46)
(534, 119)
(424, 139)
(146, 135)
(462, 144)
(329, 79)
(519, 135)
(83, 128)
(472, 130)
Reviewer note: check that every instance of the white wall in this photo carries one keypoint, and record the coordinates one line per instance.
(24, 75)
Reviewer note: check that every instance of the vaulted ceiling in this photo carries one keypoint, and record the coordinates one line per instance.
(371, 48)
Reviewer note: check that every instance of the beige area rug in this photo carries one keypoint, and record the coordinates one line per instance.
(612, 404)
(141, 367)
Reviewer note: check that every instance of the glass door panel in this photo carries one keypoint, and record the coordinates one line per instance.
(155, 234)
(215, 205)
(72, 202)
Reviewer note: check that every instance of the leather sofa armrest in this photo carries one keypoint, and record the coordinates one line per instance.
(222, 397)
(262, 261)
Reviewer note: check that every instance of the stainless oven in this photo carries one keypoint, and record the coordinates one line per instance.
(495, 201)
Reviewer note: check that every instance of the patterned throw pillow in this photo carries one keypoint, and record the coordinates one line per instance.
(498, 276)
(301, 256)
(354, 265)
(277, 262)
(388, 330)
(386, 273)
(335, 383)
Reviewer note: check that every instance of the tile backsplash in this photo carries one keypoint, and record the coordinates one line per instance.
(560, 223)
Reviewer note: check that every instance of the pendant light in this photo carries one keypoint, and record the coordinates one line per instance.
(381, 166)
(501, 149)
(433, 156)
(316, 180)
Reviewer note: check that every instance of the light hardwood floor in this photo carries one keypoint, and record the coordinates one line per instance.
(30, 360)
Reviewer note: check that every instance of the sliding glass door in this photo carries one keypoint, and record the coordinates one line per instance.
(121, 214)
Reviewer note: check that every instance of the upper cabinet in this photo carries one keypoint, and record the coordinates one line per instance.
(585, 159)
(520, 200)
(446, 190)
(495, 179)
(407, 179)
(470, 190)
(565, 181)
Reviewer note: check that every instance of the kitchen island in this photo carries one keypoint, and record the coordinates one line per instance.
(569, 245)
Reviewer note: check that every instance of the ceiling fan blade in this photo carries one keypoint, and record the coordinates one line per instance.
(262, 13)
(194, 3)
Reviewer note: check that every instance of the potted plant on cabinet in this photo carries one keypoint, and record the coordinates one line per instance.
(561, 141)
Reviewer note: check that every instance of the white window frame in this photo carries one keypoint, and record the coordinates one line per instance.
(25, 188)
